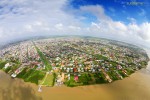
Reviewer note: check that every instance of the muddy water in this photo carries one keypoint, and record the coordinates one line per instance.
(134, 87)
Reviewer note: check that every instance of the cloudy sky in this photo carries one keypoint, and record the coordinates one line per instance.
(126, 20)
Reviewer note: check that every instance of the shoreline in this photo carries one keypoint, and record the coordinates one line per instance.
(148, 53)
(146, 68)
(134, 87)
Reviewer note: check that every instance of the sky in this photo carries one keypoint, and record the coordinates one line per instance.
(124, 20)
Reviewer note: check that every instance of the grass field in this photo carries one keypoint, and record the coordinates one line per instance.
(48, 80)
(31, 75)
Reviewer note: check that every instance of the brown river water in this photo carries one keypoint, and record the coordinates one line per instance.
(134, 87)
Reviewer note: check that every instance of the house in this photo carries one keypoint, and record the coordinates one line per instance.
(68, 69)
(6, 66)
(76, 78)
(13, 75)
(75, 69)
(68, 76)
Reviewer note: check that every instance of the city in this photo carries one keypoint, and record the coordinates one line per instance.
(71, 61)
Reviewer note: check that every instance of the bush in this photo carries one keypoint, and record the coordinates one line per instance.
(99, 78)
(21, 74)
(2, 64)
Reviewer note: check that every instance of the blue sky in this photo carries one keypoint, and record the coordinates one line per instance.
(125, 20)
(120, 10)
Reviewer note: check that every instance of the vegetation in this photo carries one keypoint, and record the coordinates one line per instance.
(113, 75)
(86, 79)
(54, 79)
(99, 78)
(48, 80)
(100, 57)
(31, 75)
(71, 82)
(73, 63)
(2, 64)
(36, 76)
(43, 58)
(22, 73)
(7, 69)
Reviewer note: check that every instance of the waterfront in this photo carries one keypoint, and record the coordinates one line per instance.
(134, 87)
(72, 62)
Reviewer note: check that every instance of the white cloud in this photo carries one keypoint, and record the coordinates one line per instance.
(74, 27)
(97, 10)
(59, 26)
(132, 20)
(107, 27)
(26, 18)
(145, 31)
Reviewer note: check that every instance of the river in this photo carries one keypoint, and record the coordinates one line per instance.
(134, 87)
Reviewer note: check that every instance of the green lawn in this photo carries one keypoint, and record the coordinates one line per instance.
(48, 80)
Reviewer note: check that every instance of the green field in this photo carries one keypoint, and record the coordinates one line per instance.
(48, 80)
(86, 79)
(31, 75)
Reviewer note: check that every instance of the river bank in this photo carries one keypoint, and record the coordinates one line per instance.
(134, 87)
